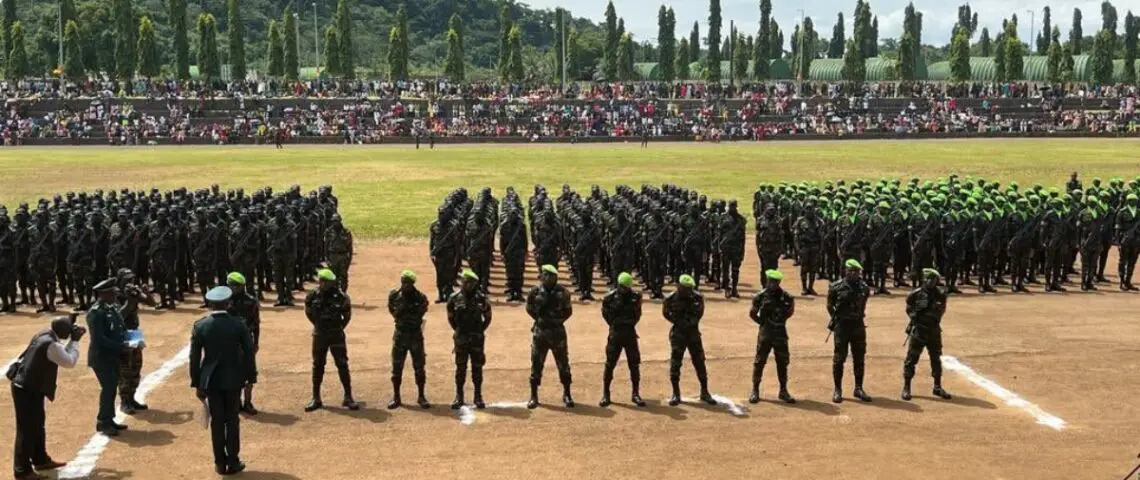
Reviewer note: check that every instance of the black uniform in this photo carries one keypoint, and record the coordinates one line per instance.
(513, 245)
(246, 307)
(847, 305)
(408, 307)
(731, 246)
(925, 307)
(444, 250)
(684, 311)
(329, 311)
(549, 307)
(771, 309)
(622, 310)
(469, 314)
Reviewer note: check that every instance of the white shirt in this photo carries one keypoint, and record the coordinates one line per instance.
(65, 357)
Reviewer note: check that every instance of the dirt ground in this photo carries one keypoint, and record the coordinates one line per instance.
(1070, 354)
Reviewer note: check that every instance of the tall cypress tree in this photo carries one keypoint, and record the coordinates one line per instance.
(999, 53)
(1015, 53)
(854, 68)
(762, 51)
(908, 45)
(837, 43)
(960, 54)
(667, 44)
(505, 27)
(740, 55)
(276, 56)
(209, 65)
(398, 46)
(181, 39)
(73, 52)
(332, 53)
(1131, 29)
(291, 65)
(985, 45)
(559, 43)
(610, 48)
(695, 43)
(149, 62)
(125, 29)
(235, 34)
(1044, 39)
(11, 16)
(516, 69)
(683, 61)
(1055, 61)
(17, 55)
(453, 66)
(1076, 33)
(712, 64)
(625, 59)
(776, 40)
(573, 55)
(346, 50)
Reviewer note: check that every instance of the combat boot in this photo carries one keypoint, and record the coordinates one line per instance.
(905, 395)
(754, 395)
(126, 406)
(705, 396)
(786, 397)
(421, 398)
(349, 403)
(567, 399)
(479, 396)
(316, 403)
(860, 394)
(396, 402)
(605, 401)
(533, 402)
(458, 402)
(938, 391)
(675, 399)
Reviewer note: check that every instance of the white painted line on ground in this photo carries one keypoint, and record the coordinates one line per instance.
(84, 462)
(1011, 399)
(467, 416)
(736, 409)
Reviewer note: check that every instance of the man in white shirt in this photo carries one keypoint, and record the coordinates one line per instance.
(33, 378)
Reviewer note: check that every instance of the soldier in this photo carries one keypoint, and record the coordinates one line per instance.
(100, 236)
(163, 254)
(621, 309)
(282, 237)
(547, 239)
(330, 311)
(244, 250)
(684, 308)
(587, 244)
(513, 246)
(41, 261)
(339, 245)
(657, 239)
(693, 243)
(121, 243)
(408, 306)
(1023, 238)
(881, 236)
(731, 246)
(847, 305)
(81, 260)
(61, 231)
(203, 240)
(108, 343)
(469, 314)
(900, 223)
(130, 294)
(1089, 224)
(245, 306)
(444, 251)
(808, 233)
(23, 243)
(987, 232)
(548, 304)
(771, 309)
(7, 264)
(1127, 234)
(925, 307)
(769, 238)
(480, 245)
(1055, 225)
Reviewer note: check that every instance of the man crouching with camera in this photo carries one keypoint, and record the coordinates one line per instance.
(33, 378)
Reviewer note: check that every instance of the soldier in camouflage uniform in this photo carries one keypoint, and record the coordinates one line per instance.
(203, 242)
(22, 245)
(245, 306)
(81, 260)
(101, 237)
(282, 237)
(730, 236)
(121, 240)
(847, 305)
(621, 309)
(480, 244)
(548, 304)
(41, 261)
(808, 232)
(881, 241)
(1090, 223)
(7, 264)
(163, 253)
(130, 360)
(329, 310)
(339, 245)
(61, 230)
(684, 308)
(771, 309)
(513, 246)
(769, 238)
(469, 314)
(1127, 234)
(444, 250)
(408, 307)
(925, 307)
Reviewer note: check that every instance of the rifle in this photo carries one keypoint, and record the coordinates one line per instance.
(447, 237)
(881, 237)
(158, 242)
(273, 245)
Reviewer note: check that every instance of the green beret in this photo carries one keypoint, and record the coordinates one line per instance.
(930, 272)
(549, 269)
(236, 278)
(408, 275)
(853, 264)
(1132, 196)
(468, 274)
(326, 274)
(687, 281)
(625, 279)
(774, 275)
(884, 205)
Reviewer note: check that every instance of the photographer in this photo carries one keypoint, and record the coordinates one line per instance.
(33, 378)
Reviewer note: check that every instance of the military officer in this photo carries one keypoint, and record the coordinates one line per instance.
(408, 306)
(130, 295)
(847, 305)
(245, 306)
(925, 307)
(329, 310)
(771, 309)
(548, 304)
(469, 314)
(108, 342)
(621, 309)
(684, 308)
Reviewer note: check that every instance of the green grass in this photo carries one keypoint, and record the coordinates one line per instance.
(393, 191)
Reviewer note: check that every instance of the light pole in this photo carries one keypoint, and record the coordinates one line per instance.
(316, 41)
(1032, 24)
(800, 54)
(297, 35)
(59, 61)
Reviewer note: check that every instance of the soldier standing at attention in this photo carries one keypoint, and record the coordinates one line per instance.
(330, 311)
(549, 305)
(444, 251)
(1127, 223)
(163, 253)
(847, 305)
(621, 310)
(769, 238)
(282, 239)
(108, 343)
(40, 261)
(408, 306)
(684, 308)
(338, 243)
(732, 229)
(808, 234)
(771, 309)
(131, 362)
(245, 306)
(513, 245)
(7, 265)
(469, 314)
(925, 307)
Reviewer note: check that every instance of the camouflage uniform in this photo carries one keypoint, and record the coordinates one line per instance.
(41, 261)
(549, 307)
(282, 238)
(685, 311)
(408, 309)
(339, 245)
(771, 309)
(469, 314)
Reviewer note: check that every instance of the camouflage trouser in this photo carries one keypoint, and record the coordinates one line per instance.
(679, 342)
(283, 278)
(933, 346)
(469, 347)
(7, 283)
(204, 275)
(130, 372)
(162, 271)
(541, 343)
(765, 347)
(81, 278)
(339, 265)
(404, 343)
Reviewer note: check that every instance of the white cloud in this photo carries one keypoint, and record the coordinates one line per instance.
(938, 17)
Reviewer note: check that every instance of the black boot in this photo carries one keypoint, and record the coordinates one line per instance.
(782, 373)
(477, 381)
(421, 396)
(316, 403)
(705, 396)
(533, 402)
(346, 382)
(567, 399)
(635, 383)
(938, 391)
(837, 380)
(396, 402)
(126, 406)
(676, 398)
(605, 401)
(754, 395)
(906, 389)
(460, 380)
(247, 404)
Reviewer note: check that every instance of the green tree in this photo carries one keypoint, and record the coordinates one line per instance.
(967, 19)
(1076, 33)
(667, 43)
(291, 64)
(177, 11)
(559, 42)
(1067, 63)
(985, 45)
(763, 48)
(854, 67)
(683, 60)
(73, 52)
(776, 41)
(517, 71)
(505, 27)
(66, 14)
(960, 55)
(837, 43)
(910, 46)
(125, 29)
(17, 55)
(209, 65)
(625, 59)
(610, 49)
(1131, 29)
(573, 55)
(235, 34)
(740, 55)
(1102, 57)
(695, 43)
(346, 50)
(1015, 53)
(149, 62)
(999, 53)
(332, 52)
(712, 62)
(276, 54)
(873, 45)
(11, 16)
(803, 49)
(453, 67)
(1055, 60)
(1044, 40)
(398, 46)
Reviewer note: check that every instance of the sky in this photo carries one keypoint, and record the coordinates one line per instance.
(938, 17)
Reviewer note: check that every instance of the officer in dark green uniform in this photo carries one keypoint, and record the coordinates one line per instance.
(329, 310)
(771, 309)
(621, 310)
(548, 304)
(408, 306)
(684, 308)
(469, 314)
(245, 306)
(847, 305)
(925, 307)
(108, 342)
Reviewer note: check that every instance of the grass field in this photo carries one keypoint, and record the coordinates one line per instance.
(393, 191)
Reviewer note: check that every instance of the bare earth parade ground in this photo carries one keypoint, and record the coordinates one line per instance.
(1045, 385)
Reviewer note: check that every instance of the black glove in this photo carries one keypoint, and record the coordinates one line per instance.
(200, 393)
(77, 332)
